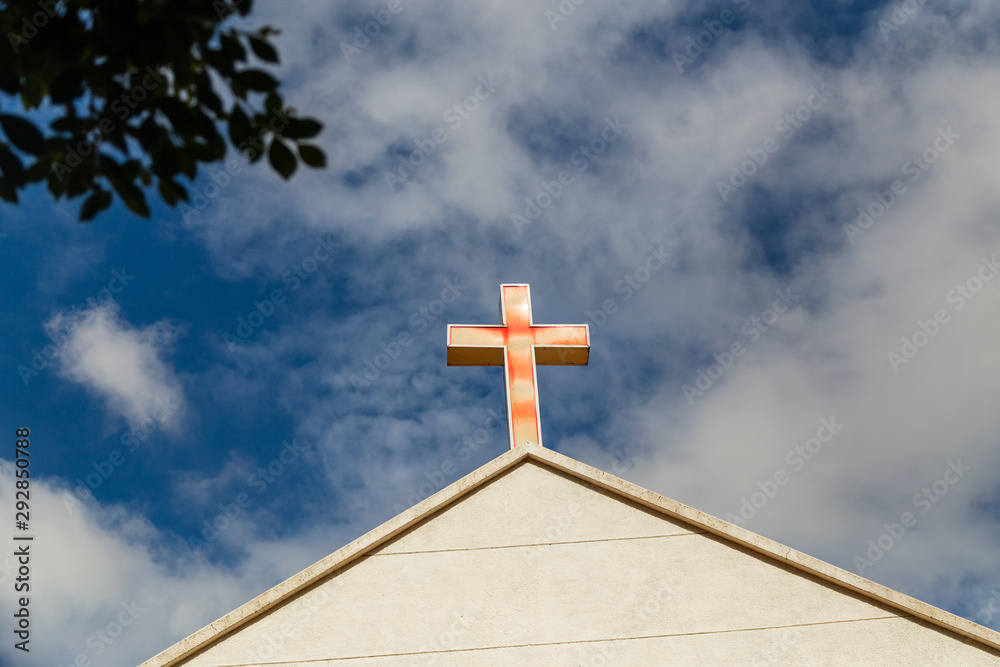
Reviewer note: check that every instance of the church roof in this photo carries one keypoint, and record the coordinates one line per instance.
(654, 507)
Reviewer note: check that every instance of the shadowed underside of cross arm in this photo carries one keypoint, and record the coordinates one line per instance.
(484, 345)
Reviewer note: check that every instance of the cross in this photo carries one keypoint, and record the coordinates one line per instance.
(518, 345)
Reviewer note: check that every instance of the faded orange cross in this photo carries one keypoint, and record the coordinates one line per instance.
(518, 345)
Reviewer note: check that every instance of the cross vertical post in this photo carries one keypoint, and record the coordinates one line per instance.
(518, 345)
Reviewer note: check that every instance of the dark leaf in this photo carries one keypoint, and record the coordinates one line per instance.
(178, 113)
(7, 191)
(253, 155)
(11, 167)
(132, 169)
(239, 125)
(172, 191)
(33, 91)
(282, 159)
(23, 134)
(56, 187)
(207, 129)
(201, 151)
(111, 168)
(219, 60)
(189, 166)
(66, 87)
(77, 185)
(133, 197)
(9, 83)
(301, 128)
(232, 48)
(166, 160)
(218, 147)
(273, 102)
(239, 90)
(94, 204)
(150, 134)
(65, 124)
(38, 171)
(255, 79)
(206, 94)
(312, 156)
(117, 139)
(263, 50)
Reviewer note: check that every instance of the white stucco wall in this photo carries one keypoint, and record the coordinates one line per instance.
(540, 568)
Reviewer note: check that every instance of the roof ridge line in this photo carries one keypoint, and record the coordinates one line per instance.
(771, 548)
(381, 534)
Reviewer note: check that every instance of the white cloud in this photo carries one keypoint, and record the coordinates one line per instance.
(658, 185)
(107, 585)
(120, 363)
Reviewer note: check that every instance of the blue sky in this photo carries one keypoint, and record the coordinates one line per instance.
(780, 311)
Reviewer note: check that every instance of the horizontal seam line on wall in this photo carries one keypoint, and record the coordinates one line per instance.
(538, 544)
(566, 643)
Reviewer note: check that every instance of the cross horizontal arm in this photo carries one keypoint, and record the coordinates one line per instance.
(562, 356)
(476, 345)
(561, 345)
